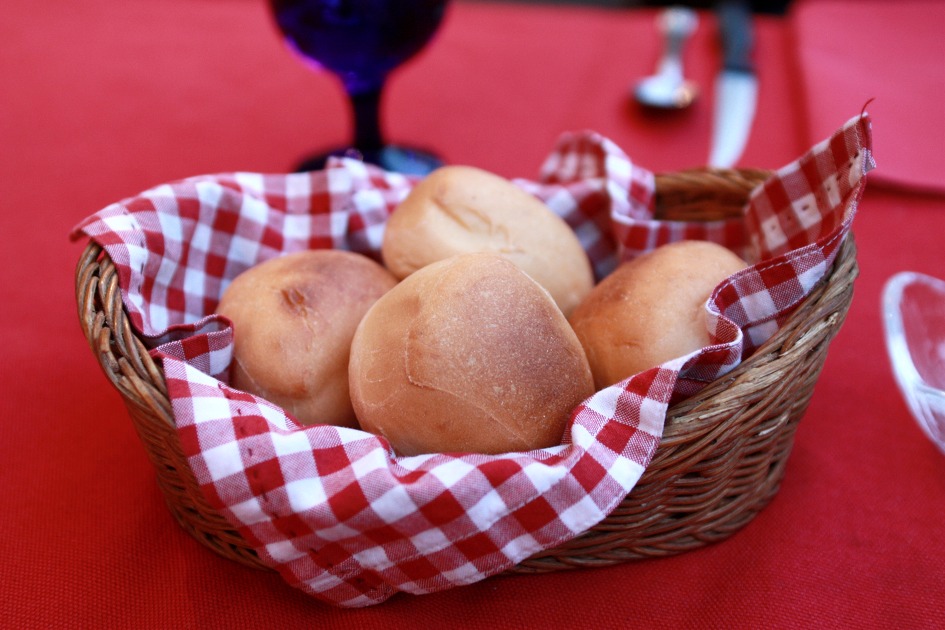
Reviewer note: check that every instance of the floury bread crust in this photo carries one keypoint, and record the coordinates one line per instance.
(651, 309)
(293, 320)
(462, 209)
(467, 354)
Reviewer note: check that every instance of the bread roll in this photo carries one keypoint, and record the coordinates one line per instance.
(467, 354)
(651, 309)
(293, 320)
(461, 209)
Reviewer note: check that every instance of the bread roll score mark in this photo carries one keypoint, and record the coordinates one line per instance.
(293, 320)
(466, 354)
(473, 223)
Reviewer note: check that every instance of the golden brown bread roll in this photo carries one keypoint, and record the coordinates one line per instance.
(462, 209)
(650, 309)
(467, 354)
(293, 320)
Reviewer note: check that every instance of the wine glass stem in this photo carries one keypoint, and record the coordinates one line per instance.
(367, 124)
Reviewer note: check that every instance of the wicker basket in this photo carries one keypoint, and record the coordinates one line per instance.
(720, 461)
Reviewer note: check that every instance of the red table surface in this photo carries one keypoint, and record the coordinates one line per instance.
(102, 99)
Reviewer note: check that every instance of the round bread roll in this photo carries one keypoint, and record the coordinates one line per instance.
(651, 309)
(461, 209)
(293, 319)
(467, 354)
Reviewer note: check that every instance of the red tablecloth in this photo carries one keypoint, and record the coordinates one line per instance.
(99, 100)
(892, 53)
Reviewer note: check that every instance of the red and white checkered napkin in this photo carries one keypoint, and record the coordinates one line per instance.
(331, 508)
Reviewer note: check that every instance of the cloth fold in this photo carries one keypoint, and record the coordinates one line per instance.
(332, 509)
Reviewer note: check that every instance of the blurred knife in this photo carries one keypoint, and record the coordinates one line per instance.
(736, 87)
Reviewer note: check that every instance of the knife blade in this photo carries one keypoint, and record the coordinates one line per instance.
(736, 86)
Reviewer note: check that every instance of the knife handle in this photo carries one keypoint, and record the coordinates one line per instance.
(736, 30)
(677, 23)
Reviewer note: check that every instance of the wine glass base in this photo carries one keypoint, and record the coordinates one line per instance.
(392, 157)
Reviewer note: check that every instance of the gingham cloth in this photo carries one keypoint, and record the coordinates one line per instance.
(332, 509)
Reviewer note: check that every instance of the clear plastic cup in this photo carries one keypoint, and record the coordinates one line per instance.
(914, 322)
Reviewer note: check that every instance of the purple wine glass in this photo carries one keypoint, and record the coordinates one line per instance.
(361, 42)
